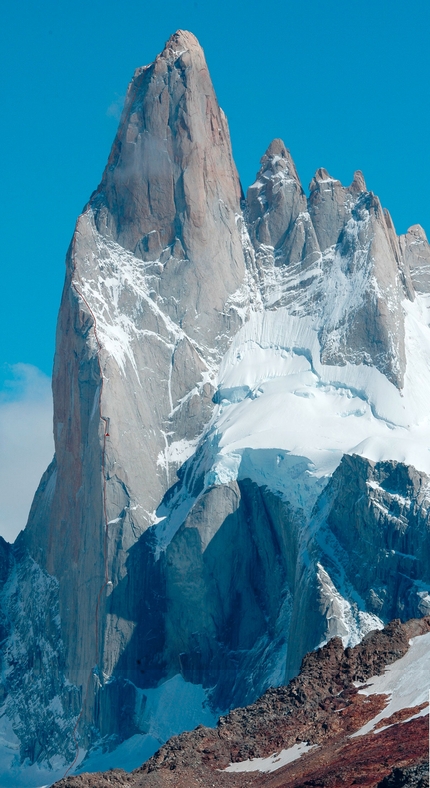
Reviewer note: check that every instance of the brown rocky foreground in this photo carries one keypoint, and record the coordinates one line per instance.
(322, 707)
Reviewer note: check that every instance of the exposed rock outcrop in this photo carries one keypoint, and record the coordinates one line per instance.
(155, 257)
(321, 707)
(170, 192)
(416, 254)
(379, 514)
(338, 234)
(410, 777)
(241, 428)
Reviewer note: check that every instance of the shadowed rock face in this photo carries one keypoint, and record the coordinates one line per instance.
(34, 661)
(322, 707)
(4, 560)
(379, 513)
(5, 568)
(412, 777)
(139, 563)
(230, 572)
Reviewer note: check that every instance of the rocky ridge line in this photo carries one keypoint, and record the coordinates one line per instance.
(321, 706)
(164, 272)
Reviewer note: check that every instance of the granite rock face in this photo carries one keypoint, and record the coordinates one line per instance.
(341, 234)
(240, 415)
(141, 324)
(379, 513)
(416, 253)
(276, 198)
(170, 192)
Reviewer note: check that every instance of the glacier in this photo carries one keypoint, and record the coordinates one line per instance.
(242, 464)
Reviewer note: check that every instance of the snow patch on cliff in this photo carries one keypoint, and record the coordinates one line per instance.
(274, 393)
(273, 762)
(345, 619)
(174, 706)
(406, 684)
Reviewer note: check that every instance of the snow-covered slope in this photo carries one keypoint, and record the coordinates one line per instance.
(333, 361)
(406, 683)
(275, 393)
(242, 462)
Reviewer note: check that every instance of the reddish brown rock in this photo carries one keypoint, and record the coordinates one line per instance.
(321, 706)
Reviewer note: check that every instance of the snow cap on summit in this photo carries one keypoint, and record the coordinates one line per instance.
(322, 176)
(277, 150)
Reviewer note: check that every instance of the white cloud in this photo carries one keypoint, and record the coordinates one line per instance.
(26, 443)
(114, 109)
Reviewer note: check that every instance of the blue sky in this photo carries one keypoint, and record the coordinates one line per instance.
(345, 84)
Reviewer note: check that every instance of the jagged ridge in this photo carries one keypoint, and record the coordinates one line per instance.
(321, 707)
(233, 384)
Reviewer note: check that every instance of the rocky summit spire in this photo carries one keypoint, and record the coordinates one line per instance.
(237, 406)
(339, 237)
(147, 307)
(276, 198)
(329, 205)
(358, 183)
(416, 254)
(170, 190)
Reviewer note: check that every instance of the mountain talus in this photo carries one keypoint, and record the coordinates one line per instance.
(332, 726)
(241, 428)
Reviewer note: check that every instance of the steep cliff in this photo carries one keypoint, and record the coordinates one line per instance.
(241, 427)
(155, 257)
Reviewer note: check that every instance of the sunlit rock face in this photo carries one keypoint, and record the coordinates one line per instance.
(241, 429)
(335, 254)
(140, 329)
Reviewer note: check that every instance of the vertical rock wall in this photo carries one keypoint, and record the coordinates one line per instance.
(140, 573)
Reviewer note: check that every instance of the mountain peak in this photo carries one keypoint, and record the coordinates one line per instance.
(322, 176)
(276, 197)
(153, 192)
(234, 382)
(178, 43)
(417, 231)
(358, 183)
(277, 148)
(276, 158)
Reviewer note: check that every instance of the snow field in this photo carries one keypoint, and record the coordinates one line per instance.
(274, 393)
(273, 762)
(406, 684)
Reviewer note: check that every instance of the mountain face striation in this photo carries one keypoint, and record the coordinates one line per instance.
(241, 425)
